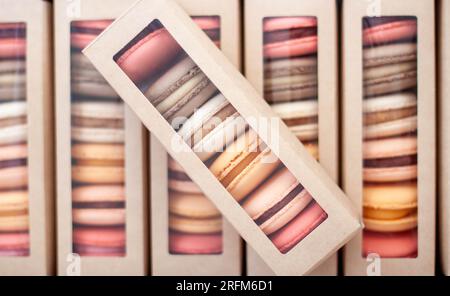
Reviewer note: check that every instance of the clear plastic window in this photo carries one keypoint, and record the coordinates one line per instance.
(290, 75)
(14, 213)
(98, 153)
(195, 224)
(234, 153)
(390, 136)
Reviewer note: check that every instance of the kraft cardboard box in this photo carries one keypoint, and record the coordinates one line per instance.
(177, 249)
(389, 100)
(444, 140)
(237, 150)
(101, 155)
(299, 80)
(26, 139)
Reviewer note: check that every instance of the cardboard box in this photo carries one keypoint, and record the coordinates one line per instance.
(245, 163)
(101, 148)
(314, 100)
(177, 259)
(26, 161)
(444, 142)
(389, 153)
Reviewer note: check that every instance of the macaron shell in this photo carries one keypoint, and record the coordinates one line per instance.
(105, 110)
(98, 135)
(12, 48)
(98, 174)
(98, 193)
(396, 225)
(100, 237)
(149, 55)
(291, 48)
(207, 22)
(14, 177)
(191, 205)
(14, 241)
(93, 251)
(394, 31)
(99, 152)
(13, 134)
(391, 245)
(13, 202)
(81, 40)
(393, 174)
(389, 54)
(98, 217)
(197, 226)
(391, 128)
(390, 196)
(391, 147)
(17, 223)
(302, 225)
(181, 243)
(287, 23)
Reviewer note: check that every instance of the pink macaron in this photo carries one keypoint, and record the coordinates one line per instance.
(290, 235)
(182, 243)
(14, 244)
(290, 36)
(91, 240)
(388, 29)
(84, 32)
(12, 40)
(391, 245)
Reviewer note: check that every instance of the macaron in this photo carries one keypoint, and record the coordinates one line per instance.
(14, 244)
(382, 30)
(195, 244)
(300, 227)
(390, 207)
(289, 36)
(12, 40)
(390, 115)
(98, 216)
(213, 126)
(391, 245)
(389, 54)
(210, 25)
(390, 159)
(390, 78)
(277, 201)
(293, 79)
(98, 163)
(153, 50)
(84, 32)
(301, 117)
(86, 81)
(13, 122)
(98, 122)
(196, 226)
(16, 223)
(180, 90)
(13, 203)
(13, 167)
(99, 241)
(12, 79)
(244, 165)
(194, 206)
(179, 181)
(98, 196)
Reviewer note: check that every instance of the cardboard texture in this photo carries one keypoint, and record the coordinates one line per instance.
(135, 260)
(422, 14)
(341, 223)
(444, 134)
(325, 12)
(36, 20)
(228, 262)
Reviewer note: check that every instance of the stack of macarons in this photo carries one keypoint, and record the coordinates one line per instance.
(290, 74)
(222, 139)
(98, 157)
(14, 220)
(195, 223)
(390, 136)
